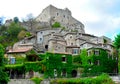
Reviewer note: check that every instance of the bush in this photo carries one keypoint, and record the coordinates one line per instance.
(102, 79)
(56, 25)
(36, 80)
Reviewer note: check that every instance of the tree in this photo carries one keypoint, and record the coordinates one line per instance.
(16, 19)
(9, 34)
(117, 41)
(3, 29)
(3, 75)
(117, 46)
(22, 34)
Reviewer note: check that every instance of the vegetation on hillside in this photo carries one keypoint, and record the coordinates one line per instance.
(10, 34)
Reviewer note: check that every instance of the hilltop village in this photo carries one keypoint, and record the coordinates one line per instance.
(67, 37)
(59, 47)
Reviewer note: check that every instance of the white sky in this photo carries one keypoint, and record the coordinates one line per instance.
(100, 17)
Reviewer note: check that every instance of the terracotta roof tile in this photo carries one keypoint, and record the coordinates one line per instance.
(19, 50)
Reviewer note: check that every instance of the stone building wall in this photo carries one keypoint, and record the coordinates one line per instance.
(20, 81)
(41, 33)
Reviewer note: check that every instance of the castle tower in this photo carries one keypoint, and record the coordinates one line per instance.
(52, 14)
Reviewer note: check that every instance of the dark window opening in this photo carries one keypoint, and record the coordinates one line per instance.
(57, 14)
(70, 36)
(97, 62)
(64, 59)
(40, 39)
(96, 52)
(74, 73)
(89, 61)
(64, 73)
(46, 46)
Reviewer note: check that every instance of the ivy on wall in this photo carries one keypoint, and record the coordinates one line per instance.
(34, 66)
(98, 63)
(62, 63)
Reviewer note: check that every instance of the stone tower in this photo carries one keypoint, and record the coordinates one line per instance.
(52, 14)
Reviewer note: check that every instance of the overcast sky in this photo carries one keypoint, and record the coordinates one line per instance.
(100, 17)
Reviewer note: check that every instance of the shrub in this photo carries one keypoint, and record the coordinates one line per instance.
(36, 80)
(56, 25)
(102, 79)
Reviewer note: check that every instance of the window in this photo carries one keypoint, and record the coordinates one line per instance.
(71, 43)
(97, 62)
(63, 59)
(46, 47)
(89, 52)
(41, 32)
(70, 36)
(75, 51)
(12, 60)
(64, 16)
(57, 14)
(40, 39)
(64, 73)
(96, 52)
(89, 61)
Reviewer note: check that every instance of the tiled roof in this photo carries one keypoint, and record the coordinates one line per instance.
(19, 50)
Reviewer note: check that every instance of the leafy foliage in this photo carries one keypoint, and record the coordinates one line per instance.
(117, 46)
(9, 34)
(102, 79)
(90, 63)
(56, 25)
(19, 67)
(22, 34)
(117, 41)
(37, 80)
(34, 66)
(54, 61)
(16, 19)
(3, 76)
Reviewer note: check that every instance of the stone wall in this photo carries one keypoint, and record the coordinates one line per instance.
(20, 81)
(27, 81)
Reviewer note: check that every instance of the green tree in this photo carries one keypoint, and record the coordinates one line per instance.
(9, 34)
(22, 34)
(56, 25)
(16, 19)
(117, 46)
(117, 41)
(3, 75)
(3, 29)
